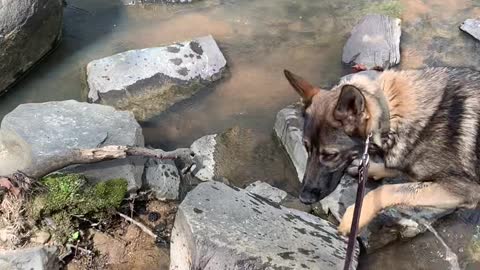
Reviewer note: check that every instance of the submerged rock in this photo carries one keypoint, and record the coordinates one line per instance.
(163, 178)
(37, 258)
(149, 81)
(35, 131)
(240, 157)
(29, 29)
(471, 26)
(374, 42)
(392, 224)
(223, 227)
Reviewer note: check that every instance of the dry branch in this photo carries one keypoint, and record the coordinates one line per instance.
(59, 160)
(138, 224)
(85, 156)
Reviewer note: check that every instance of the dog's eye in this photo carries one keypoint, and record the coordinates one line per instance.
(329, 156)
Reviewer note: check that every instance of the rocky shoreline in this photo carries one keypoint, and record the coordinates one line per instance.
(153, 213)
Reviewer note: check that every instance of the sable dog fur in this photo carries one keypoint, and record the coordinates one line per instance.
(425, 124)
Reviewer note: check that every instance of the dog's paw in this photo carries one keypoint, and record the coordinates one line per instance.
(352, 169)
(346, 224)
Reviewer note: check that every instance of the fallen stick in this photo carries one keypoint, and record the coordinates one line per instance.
(138, 224)
(69, 157)
(76, 247)
(21, 180)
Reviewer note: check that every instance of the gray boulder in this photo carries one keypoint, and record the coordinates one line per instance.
(374, 42)
(29, 29)
(37, 258)
(149, 81)
(471, 26)
(223, 227)
(289, 129)
(163, 178)
(37, 131)
(392, 224)
(267, 191)
(204, 149)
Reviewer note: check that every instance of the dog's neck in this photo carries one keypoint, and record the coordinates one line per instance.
(379, 121)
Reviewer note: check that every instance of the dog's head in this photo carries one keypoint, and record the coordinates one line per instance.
(335, 125)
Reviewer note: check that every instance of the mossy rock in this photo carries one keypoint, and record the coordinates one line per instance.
(67, 195)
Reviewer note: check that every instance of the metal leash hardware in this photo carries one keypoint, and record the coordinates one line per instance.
(362, 178)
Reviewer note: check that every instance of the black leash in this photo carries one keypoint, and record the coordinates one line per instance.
(362, 178)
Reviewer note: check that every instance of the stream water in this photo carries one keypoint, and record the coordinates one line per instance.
(259, 39)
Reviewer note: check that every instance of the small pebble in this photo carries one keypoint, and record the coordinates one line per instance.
(40, 237)
(153, 216)
(160, 228)
(162, 243)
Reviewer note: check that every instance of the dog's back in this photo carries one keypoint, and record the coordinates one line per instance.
(435, 124)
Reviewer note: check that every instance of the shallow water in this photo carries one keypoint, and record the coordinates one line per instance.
(259, 38)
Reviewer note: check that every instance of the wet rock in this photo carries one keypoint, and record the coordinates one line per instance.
(40, 237)
(391, 225)
(277, 195)
(288, 128)
(374, 42)
(149, 81)
(239, 156)
(471, 26)
(29, 29)
(223, 227)
(35, 131)
(204, 149)
(163, 178)
(267, 191)
(37, 258)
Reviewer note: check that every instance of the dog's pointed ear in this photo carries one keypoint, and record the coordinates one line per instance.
(350, 109)
(303, 88)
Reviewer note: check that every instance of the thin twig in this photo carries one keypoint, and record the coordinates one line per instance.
(70, 246)
(138, 224)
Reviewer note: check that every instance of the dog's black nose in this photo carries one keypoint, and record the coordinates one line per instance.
(309, 196)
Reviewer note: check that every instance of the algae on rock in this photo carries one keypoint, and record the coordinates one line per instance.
(66, 195)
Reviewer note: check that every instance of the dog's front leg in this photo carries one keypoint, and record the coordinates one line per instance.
(410, 194)
(376, 171)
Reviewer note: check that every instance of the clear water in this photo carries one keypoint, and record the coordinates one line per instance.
(259, 38)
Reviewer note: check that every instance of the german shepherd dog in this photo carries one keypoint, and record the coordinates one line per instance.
(425, 123)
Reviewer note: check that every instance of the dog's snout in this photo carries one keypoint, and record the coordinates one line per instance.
(309, 196)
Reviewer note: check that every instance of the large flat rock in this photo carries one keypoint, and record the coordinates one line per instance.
(29, 29)
(471, 26)
(148, 81)
(374, 42)
(391, 225)
(38, 131)
(223, 227)
(37, 258)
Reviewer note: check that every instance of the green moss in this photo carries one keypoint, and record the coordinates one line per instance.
(67, 195)
(389, 8)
